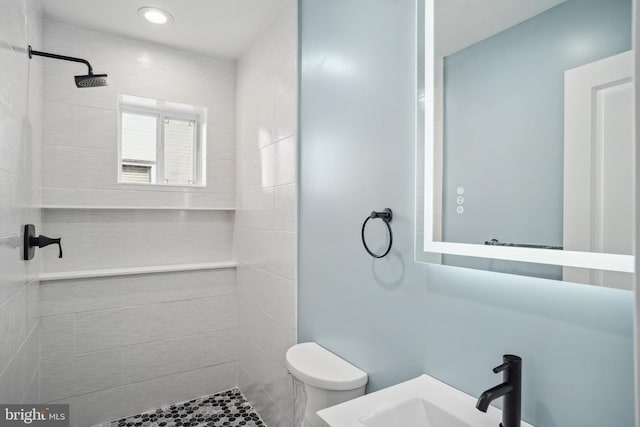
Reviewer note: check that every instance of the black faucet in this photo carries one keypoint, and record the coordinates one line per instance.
(511, 389)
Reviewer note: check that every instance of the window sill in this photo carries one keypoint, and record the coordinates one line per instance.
(148, 184)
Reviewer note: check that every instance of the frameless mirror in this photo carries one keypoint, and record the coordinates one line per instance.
(529, 134)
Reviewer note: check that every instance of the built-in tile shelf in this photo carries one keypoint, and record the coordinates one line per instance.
(84, 274)
(172, 208)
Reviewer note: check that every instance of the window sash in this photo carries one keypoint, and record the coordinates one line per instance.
(194, 141)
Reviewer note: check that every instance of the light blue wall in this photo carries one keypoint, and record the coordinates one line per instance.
(504, 108)
(395, 318)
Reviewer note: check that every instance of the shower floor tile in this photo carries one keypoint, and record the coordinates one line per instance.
(229, 409)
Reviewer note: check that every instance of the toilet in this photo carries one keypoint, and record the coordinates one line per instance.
(322, 380)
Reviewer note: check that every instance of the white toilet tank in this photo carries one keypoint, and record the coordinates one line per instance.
(322, 380)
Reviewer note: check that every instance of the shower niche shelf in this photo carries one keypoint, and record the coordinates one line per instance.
(150, 208)
(84, 274)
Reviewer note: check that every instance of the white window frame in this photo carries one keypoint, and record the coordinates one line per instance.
(162, 113)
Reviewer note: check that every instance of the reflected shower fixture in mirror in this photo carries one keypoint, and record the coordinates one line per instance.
(82, 81)
(520, 175)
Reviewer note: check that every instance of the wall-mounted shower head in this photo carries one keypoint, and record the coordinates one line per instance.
(91, 80)
(87, 80)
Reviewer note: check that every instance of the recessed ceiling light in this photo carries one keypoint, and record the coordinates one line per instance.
(155, 15)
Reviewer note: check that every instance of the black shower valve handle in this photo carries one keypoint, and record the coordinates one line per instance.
(42, 241)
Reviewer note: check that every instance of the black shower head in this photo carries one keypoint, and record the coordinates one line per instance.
(87, 80)
(91, 80)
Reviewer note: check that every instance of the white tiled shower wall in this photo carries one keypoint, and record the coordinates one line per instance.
(80, 141)
(127, 238)
(266, 221)
(116, 346)
(20, 141)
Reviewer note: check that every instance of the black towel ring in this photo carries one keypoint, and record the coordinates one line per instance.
(386, 216)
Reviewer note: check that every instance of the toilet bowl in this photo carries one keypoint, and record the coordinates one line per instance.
(322, 380)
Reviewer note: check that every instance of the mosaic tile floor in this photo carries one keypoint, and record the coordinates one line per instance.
(229, 408)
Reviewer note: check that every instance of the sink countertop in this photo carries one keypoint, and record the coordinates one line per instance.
(434, 392)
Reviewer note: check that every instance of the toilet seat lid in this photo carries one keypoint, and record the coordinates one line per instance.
(316, 366)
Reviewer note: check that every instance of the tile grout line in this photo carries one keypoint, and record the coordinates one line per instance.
(199, 334)
(20, 347)
(265, 271)
(127, 307)
(60, 400)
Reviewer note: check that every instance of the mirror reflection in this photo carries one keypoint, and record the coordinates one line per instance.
(534, 130)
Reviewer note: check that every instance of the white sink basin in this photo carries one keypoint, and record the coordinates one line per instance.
(420, 402)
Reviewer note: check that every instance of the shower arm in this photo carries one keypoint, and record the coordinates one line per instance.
(61, 57)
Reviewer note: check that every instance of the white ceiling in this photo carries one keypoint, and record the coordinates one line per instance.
(461, 23)
(221, 28)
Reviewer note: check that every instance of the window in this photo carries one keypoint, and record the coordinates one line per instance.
(160, 142)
